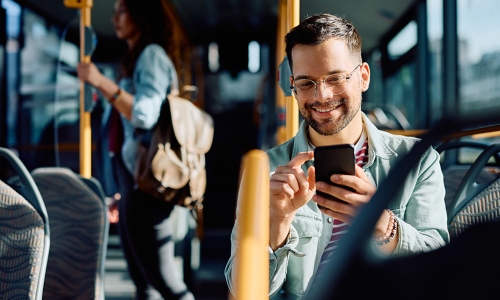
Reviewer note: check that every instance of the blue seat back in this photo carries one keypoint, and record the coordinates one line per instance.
(24, 235)
(79, 235)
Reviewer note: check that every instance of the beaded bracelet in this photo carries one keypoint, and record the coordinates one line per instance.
(389, 235)
(115, 97)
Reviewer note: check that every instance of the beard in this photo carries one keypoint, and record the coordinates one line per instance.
(331, 126)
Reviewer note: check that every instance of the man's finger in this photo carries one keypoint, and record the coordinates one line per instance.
(311, 177)
(335, 205)
(300, 176)
(361, 174)
(300, 159)
(289, 179)
(349, 181)
(281, 189)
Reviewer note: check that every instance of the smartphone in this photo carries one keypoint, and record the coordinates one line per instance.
(336, 159)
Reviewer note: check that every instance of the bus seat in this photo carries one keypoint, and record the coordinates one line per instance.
(454, 174)
(483, 208)
(386, 116)
(79, 234)
(475, 202)
(24, 236)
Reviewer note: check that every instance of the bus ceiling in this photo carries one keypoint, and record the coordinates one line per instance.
(210, 20)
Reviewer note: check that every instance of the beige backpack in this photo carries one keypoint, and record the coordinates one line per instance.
(172, 166)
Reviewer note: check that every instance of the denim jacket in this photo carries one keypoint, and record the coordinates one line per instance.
(154, 77)
(419, 208)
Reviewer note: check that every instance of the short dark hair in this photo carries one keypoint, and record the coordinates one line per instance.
(318, 28)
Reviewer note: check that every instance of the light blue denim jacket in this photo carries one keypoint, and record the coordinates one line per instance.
(154, 76)
(419, 208)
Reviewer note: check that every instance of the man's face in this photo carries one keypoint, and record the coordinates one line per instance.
(325, 112)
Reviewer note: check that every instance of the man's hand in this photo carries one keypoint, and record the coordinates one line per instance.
(346, 212)
(290, 187)
(290, 190)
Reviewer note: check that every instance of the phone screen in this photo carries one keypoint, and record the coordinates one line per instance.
(329, 160)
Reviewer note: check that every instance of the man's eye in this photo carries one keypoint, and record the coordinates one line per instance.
(333, 79)
(305, 85)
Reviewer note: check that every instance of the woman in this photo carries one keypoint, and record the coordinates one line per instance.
(147, 76)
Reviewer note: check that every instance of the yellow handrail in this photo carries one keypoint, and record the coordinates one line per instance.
(292, 109)
(477, 133)
(85, 129)
(280, 53)
(288, 17)
(411, 132)
(252, 262)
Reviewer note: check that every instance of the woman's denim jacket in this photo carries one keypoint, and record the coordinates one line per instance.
(154, 77)
(419, 208)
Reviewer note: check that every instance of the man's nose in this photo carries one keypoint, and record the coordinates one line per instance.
(322, 91)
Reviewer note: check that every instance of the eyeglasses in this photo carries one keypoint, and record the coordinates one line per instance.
(305, 89)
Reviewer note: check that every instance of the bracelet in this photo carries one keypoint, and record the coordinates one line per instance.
(389, 235)
(114, 99)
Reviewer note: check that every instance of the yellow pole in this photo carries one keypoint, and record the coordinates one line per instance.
(85, 130)
(292, 109)
(280, 53)
(252, 264)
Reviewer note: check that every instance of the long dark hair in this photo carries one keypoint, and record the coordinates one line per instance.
(152, 19)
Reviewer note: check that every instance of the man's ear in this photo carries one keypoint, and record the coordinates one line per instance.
(365, 76)
(291, 80)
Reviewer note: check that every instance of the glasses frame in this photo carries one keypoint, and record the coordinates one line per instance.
(321, 81)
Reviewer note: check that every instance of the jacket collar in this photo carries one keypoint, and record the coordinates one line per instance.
(377, 143)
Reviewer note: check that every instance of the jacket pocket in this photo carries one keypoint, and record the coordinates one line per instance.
(307, 225)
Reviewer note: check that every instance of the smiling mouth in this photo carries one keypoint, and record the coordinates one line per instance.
(324, 110)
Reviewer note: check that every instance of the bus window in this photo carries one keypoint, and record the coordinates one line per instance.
(403, 41)
(253, 57)
(435, 46)
(468, 155)
(213, 57)
(479, 55)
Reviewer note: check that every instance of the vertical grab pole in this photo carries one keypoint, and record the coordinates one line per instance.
(292, 109)
(85, 130)
(252, 263)
(281, 135)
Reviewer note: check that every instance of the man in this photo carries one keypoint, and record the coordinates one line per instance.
(328, 78)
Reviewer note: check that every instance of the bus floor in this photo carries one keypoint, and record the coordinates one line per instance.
(209, 281)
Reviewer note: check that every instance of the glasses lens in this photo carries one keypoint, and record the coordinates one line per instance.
(336, 83)
(305, 89)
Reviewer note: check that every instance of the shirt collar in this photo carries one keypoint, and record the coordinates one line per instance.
(377, 144)
(361, 141)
